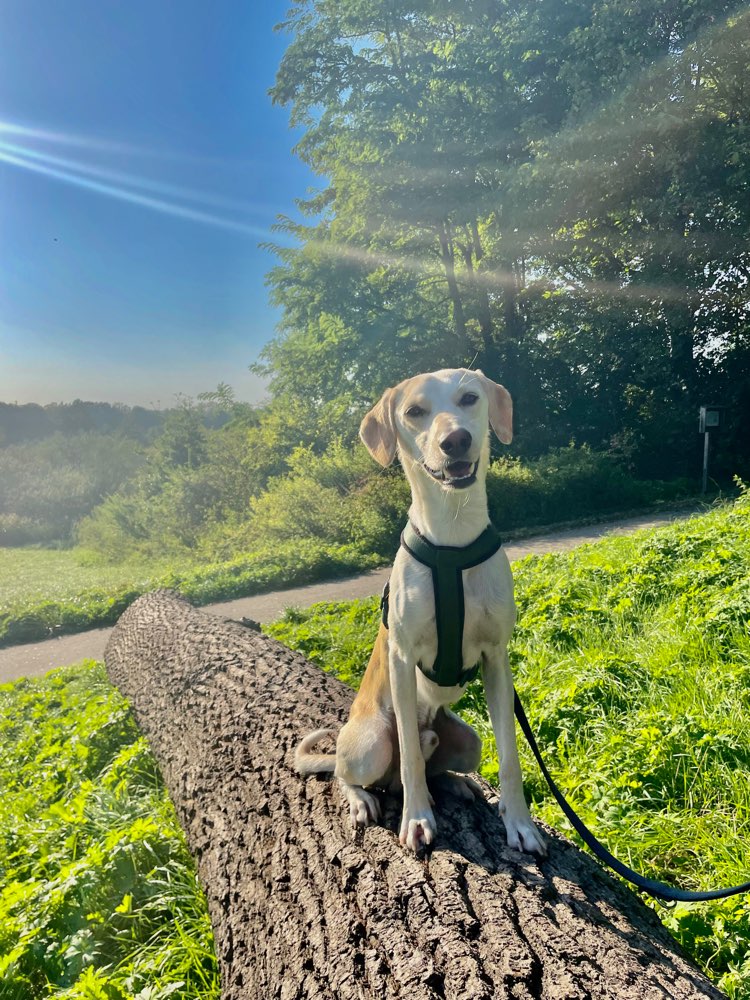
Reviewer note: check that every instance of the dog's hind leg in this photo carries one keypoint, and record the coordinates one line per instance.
(364, 755)
(459, 750)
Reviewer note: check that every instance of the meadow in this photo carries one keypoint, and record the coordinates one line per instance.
(49, 592)
(632, 657)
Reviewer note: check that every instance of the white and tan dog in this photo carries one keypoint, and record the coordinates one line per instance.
(400, 729)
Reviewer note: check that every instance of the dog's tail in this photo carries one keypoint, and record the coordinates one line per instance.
(314, 763)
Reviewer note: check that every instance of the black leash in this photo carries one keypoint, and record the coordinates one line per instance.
(658, 889)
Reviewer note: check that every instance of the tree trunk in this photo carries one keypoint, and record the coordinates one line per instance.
(303, 908)
(449, 266)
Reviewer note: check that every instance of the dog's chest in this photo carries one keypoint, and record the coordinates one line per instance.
(488, 607)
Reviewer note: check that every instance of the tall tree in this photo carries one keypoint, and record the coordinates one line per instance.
(557, 190)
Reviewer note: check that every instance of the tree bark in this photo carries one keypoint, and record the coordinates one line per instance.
(449, 266)
(303, 908)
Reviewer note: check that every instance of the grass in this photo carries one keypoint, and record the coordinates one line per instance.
(98, 893)
(52, 592)
(31, 576)
(632, 657)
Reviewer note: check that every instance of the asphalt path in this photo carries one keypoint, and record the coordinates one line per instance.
(36, 658)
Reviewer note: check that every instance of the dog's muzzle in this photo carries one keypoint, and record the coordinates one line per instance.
(454, 475)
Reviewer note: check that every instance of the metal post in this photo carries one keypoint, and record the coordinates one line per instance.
(705, 462)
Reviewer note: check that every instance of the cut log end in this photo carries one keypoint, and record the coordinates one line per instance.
(304, 908)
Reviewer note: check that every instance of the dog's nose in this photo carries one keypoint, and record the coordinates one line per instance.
(456, 444)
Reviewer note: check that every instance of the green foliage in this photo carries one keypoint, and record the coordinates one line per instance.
(571, 482)
(46, 487)
(339, 497)
(98, 892)
(555, 189)
(632, 657)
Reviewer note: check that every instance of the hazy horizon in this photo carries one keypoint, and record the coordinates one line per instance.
(146, 388)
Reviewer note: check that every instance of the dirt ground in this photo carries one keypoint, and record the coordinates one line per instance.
(37, 658)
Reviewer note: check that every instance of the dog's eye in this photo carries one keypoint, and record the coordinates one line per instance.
(415, 411)
(468, 399)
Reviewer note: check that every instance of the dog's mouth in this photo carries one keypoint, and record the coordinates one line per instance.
(455, 475)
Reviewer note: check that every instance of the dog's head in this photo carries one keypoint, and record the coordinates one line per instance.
(440, 422)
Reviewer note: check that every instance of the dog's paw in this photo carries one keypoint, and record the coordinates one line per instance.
(522, 834)
(364, 807)
(418, 829)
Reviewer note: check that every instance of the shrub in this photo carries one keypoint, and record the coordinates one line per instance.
(566, 484)
(46, 487)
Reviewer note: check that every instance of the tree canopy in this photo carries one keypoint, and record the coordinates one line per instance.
(556, 191)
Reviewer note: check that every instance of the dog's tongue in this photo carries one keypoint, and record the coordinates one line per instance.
(458, 470)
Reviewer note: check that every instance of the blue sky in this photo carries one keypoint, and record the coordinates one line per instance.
(141, 162)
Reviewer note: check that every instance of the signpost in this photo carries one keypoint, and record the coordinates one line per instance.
(709, 420)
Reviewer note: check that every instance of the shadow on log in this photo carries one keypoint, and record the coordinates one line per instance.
(303, 909)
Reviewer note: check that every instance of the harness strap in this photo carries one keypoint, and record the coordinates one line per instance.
(446, 564)
(654, 888)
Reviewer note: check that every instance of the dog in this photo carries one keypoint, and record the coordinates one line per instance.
(400, 729)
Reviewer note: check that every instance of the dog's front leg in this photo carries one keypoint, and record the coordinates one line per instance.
(417, 820)
(498, 686)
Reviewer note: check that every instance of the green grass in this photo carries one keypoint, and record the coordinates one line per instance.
(632, 657)
(98, 894)
(31, 576)
(51, 592)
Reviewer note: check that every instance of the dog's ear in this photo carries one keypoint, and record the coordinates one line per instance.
(378, 431)
(501, 408)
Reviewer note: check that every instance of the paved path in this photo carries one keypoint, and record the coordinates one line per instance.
(37, 658)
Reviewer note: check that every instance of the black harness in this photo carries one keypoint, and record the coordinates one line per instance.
(447, 563)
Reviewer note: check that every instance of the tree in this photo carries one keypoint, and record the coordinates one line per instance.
(555, 191)
(300, 907)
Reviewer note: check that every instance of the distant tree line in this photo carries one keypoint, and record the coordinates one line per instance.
(24, 422)
(554, 191)
(60, 462)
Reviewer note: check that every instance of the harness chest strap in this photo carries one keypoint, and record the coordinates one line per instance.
(447, 563)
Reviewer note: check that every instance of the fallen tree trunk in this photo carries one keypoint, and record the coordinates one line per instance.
(301, 908)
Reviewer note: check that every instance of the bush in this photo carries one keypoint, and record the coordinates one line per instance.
(46, 487)
(567, 484)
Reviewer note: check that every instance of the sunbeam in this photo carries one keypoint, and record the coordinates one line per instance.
(133, 180)
(66, 138)
(494, 280)
(132, 197)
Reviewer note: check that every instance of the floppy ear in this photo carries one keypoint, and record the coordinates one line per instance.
(377, 430)
(501, 408)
